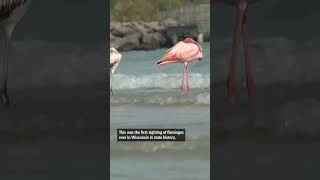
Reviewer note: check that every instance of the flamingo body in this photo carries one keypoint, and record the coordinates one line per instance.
(185, 52)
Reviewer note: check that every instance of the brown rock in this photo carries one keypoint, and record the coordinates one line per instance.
(121, 29)
(170, 22)
(151, 41)
(129, 42)
(155, 26)
(136, 35)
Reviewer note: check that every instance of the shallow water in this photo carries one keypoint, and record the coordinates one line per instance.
(147, 96)
(158, 160)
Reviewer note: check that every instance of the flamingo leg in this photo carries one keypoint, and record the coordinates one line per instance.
(3, 90)
(232, 69)
(111, 91)
(187, 78)
(249, 77)
(183, 77)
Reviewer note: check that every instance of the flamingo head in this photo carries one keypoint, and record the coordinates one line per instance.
(190, 40)
(200, 56)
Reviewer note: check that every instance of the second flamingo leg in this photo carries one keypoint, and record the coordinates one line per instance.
(232, 66)
(249, 77)
(3, 90)
(187, 78)
(183, 77)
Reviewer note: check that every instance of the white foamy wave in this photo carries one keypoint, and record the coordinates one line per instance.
(203, 98)
(163, 99)
(161, 80)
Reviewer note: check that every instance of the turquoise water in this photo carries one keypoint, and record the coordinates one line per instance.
(147, 96)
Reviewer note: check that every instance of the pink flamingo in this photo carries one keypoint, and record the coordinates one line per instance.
(241, 25)
(185, 52)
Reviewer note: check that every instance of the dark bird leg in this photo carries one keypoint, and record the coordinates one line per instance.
(249, 77)
(3, 90)
(232, 66)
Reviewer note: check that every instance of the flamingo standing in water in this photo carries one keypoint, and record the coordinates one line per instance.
(115, 58)
(11, 11)
(241, 25)
(185, 52)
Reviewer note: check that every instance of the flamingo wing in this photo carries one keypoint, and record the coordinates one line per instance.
(173, 54)
(183, 50)
(169, 50)
(189, 51)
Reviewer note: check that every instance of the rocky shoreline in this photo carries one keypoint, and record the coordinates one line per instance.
(137, 36)
(126, 36)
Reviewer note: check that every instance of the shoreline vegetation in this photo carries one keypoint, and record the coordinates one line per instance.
(143, 25)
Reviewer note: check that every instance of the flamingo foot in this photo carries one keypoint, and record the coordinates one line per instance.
(182, 89)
